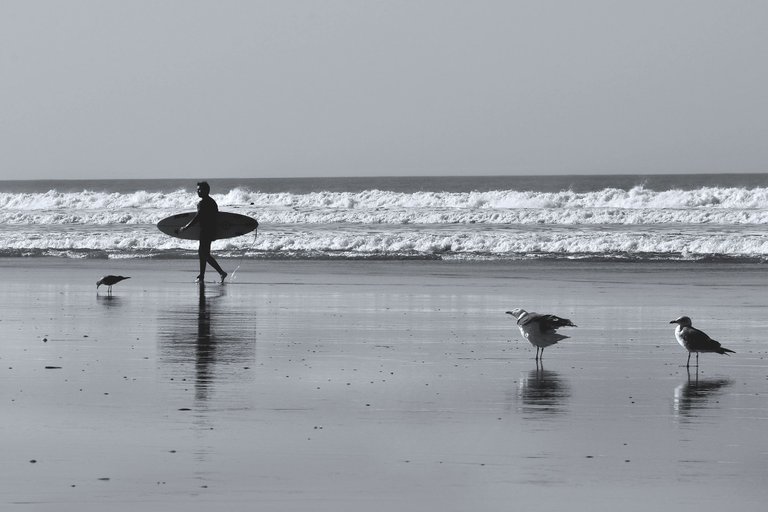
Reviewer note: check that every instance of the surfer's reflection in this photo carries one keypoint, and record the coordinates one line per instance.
(205, 348)
(542, 393)
(696, 395)
(218, 341)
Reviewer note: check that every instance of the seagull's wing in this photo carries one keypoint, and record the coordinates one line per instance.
(697, 340)
(552, 323)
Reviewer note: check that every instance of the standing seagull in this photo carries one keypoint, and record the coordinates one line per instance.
(109, 281)
(693, 340)
(540, 330)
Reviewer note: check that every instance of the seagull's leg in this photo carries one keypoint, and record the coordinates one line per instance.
(697, 361)
(688, 363)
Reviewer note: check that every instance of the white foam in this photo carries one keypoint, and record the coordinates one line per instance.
(706, 222)
(609, 206)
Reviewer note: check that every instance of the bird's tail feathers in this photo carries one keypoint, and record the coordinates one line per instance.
(725, 351)
(561, 322)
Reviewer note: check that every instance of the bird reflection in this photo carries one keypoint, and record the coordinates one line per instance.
(543, 393)
(696, 395)
(108, 301)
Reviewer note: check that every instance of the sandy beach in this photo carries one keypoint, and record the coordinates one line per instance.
(379, 386)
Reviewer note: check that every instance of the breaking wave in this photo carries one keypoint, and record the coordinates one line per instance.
(612, 223)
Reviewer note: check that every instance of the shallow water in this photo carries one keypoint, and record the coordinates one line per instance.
(358, 385)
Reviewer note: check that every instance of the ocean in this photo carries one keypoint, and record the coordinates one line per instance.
(707, 217)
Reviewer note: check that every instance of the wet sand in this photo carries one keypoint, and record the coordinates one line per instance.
(379, 386)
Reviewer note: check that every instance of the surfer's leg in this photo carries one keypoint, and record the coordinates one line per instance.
(212, 262)
(205, 257)
(203, 253)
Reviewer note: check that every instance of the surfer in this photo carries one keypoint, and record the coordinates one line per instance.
(207, 212)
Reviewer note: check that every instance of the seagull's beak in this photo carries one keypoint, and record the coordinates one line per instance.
(673, 321)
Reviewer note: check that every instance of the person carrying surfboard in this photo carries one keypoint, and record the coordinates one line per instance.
(207, 213)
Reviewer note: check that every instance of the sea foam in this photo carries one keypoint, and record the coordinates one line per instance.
(500, 224)
(609, 206)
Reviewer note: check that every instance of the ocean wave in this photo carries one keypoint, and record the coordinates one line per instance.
(399, 243)
(612, 223)
(637, 197)
(395, 216)
(636, 206)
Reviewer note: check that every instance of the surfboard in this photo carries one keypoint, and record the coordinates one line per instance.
(228, 225)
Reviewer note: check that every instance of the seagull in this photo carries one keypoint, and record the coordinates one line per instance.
(693, 340)
(540, 330)
(109, 281)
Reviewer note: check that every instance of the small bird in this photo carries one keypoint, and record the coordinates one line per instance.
(540, 330)
(109, 281)
(694, 340)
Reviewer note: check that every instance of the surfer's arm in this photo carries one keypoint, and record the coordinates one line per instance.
(191, 223)
(195, 219)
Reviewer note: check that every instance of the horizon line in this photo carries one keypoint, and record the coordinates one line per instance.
(393, 176)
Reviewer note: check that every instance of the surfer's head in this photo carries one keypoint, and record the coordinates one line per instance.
(203, 188)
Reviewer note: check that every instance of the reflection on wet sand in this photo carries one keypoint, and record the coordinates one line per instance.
(543, 394)
(203, 345)
(205, 348)
(108, 301)
(696, 395)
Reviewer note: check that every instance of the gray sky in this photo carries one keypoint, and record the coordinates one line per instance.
(108, 89)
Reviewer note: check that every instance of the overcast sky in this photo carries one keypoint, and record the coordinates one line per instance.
(118, 89)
